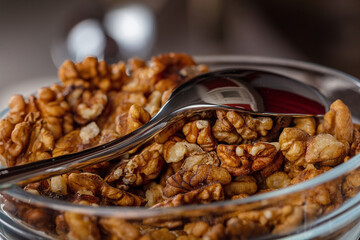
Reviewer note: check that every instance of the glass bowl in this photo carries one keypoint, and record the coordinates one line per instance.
(304, 220)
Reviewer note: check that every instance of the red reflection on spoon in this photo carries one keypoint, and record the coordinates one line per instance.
(279, 101)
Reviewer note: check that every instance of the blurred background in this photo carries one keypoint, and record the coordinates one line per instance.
(37, 36)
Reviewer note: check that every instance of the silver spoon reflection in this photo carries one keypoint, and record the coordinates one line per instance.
(250, 91)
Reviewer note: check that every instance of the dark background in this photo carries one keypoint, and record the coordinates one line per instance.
(34, 35)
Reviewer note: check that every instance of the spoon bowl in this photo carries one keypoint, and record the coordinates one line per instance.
(250, 91)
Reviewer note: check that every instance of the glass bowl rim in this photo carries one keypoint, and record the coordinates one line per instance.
(144, 212)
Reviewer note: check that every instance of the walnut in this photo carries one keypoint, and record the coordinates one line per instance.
(89, 106)
(154, 234)
(135, 118)
(307, 124)
(154, 103)
(351, 184)
(243, 228)
(278, 180)
(208, 158)
(196, 229)
(246, 158)
(280, 219)
(30, 141)
(216, 232)
(241, 185)
(293, 143)
(224, 131)
(89, 132)
(291, 169)
(205, 194)
(58, 185)
(274, 166)
(249, 127)
(146, 78)
(82, 226)
(154, 194)
(138, 170)
(93, 74)
(302, 149)
(326, 150)
(119, 228)
(41, 143)
(308, 173)
(19, 108)
(176, 150)
(193, 71)
(94, 185)
(18, 142)
(338, 122)
(115, 196)
(69, 143)
(280, 122)
(355, 146)
(199, 132)
(184, 181)
(51, 103)
(85, 183)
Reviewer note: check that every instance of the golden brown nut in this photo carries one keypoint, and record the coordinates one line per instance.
(241, 185)
(224, 131)
(199, 132)
(206, 194)
(351, 185)
(93, 74)
(94, 185)
(176, 149)
(355, 146)
(338, 122)
(187, 155)
(246, 158)
(196, 229)
(69, 143)
(326, 150)
(278, 180)
(243, 228)
(154, 103)
(119, 228)
(274, 166)
(135, 118)
(279, 219)
(138, 170)
(81, 226)
(208, 158)
(184, 181)
(307, 124)
(89, 106)
(154, 234)
(154, 194)
(217, 231)
(115, 196)
(293, 143)
(302, 149)
(308, 173)
(249, 127)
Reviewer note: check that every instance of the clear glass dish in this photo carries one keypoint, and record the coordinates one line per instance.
(340, 221)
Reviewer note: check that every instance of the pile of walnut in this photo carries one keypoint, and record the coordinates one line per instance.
(214, 156)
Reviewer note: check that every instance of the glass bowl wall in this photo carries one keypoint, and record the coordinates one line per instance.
(338, 221)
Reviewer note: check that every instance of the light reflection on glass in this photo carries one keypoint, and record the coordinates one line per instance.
(86, 38)
(133, 28)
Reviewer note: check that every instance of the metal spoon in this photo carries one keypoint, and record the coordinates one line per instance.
(250, 91)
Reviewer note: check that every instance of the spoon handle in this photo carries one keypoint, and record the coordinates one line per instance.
(35, 171)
